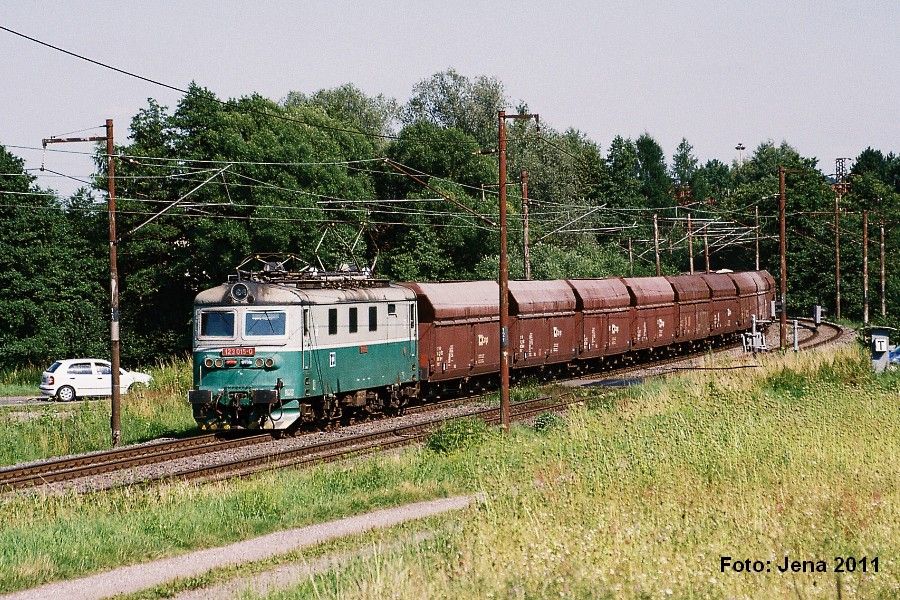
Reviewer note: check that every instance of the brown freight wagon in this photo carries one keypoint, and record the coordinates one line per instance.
(606, 314)
(746, 286)
(655, 312)
(458, 329)
(693, 298)
(544, 328)
(723, 306)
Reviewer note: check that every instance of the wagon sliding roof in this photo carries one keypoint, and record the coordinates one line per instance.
(538, 297)
(689, 287)
(650, 290)
(457, 300)
(600, 294)
(720, 284)
(745, 281)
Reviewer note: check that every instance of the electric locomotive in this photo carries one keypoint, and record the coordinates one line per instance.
(273, 349)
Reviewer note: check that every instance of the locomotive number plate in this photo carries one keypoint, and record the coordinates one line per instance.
(238, 351)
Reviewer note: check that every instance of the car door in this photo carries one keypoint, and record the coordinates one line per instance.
(102, 378)
(80, 375)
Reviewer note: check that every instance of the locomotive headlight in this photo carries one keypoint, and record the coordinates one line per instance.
(259, 363)
(239, 292)
(208, 363)
(219, 363)
(270, 363)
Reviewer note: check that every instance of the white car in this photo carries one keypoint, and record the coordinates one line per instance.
(79, 377)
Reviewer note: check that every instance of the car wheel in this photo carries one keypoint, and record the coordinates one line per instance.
(66, 393)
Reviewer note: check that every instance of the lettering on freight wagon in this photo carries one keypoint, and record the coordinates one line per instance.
(483, 340)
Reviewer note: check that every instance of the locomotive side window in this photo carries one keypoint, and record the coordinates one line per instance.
(392, 310)
(265, 323)
(412, 315)
(217, 323)
(373, 318)
(306, 321)
(332, 321)
(353, 320)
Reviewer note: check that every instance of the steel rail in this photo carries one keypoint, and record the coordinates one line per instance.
(120, 459)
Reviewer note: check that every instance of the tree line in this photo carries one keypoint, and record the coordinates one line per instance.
(338, 176)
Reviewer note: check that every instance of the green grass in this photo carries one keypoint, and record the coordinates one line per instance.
(637, 496)
(34, 432)
(21, 382)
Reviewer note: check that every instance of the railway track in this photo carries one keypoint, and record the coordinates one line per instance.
(376, 441)
(78, 467)
(125, 458)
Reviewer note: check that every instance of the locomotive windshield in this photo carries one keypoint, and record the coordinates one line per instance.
(266, 322)
(217, 324)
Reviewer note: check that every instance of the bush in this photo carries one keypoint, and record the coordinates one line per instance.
(547, 421)
(457, 434)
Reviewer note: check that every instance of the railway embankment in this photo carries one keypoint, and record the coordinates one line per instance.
(641, 492)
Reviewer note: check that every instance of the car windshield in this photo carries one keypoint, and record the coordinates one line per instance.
(54, 367)
(265, 322)
(217, 323)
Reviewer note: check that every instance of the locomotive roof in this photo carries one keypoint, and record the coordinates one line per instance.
(267, 294)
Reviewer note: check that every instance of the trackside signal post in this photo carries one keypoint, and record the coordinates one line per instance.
(504, 268)
(115, 424)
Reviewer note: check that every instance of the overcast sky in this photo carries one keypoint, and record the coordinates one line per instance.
(825, 76)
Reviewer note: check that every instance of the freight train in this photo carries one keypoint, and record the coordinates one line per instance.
(274, 349)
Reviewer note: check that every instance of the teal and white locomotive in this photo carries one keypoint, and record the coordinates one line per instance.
(273, 349)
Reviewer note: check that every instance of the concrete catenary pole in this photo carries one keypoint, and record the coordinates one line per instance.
(504, 268)
(690, 237)
(630, 260)
(504, 280)
(706, 249)
(115, 425)
(883, 299)
(526, 250)
(656, 243)
(837, 255)
(782, 248)
(865, 216)
(756, 211)
(115, 412)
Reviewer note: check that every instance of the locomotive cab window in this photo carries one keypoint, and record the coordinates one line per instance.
(373, 318)
(392, 310)
(261, 323)
(332, 321)
(353, 320)
(217, 323)
(412, 315)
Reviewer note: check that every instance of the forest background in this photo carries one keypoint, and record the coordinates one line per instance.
(415, 185)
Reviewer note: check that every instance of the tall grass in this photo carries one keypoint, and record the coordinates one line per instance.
(797, 458)
(638, 497)
(21, 381)
(34, 432)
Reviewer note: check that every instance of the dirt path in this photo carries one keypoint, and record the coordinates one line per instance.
(134, 578)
